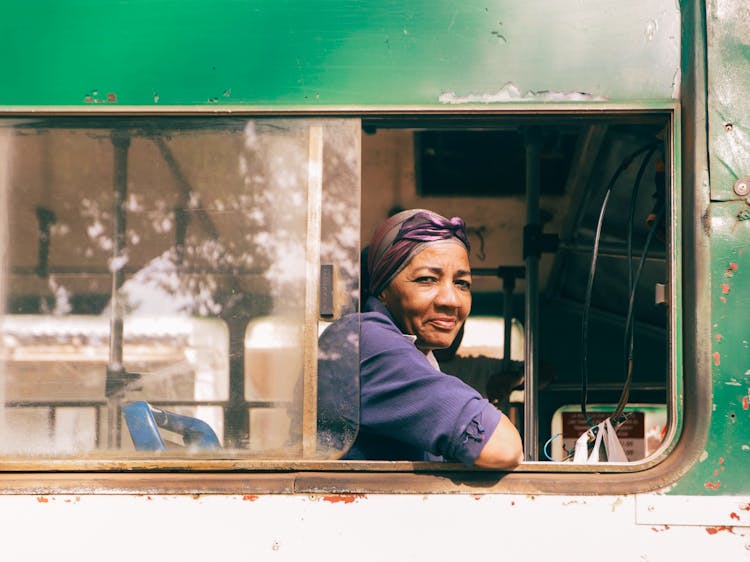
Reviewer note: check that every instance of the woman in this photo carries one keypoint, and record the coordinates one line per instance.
(420, 296)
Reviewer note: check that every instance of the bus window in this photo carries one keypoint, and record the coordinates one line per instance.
(164, 262)
(571, 219)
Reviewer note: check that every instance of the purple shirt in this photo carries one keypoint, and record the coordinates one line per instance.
(408, 409)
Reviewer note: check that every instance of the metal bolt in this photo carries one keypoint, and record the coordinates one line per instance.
(742, 187)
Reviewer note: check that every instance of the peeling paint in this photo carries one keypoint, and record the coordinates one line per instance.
(714, 530)
(42, 499)
(574, 502)
(712, 485)
(250, 498)
(94, 97)
(343, 498)
(510, 92)
(725, 288)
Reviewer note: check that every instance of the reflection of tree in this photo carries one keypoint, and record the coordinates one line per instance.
(341, 196)
(216, 215)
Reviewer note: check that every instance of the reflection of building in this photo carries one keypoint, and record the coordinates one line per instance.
(273, 367)
(55, 371)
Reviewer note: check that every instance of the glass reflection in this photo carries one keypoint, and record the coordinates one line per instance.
(164, 261)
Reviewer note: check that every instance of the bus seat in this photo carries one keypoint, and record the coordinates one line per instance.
(144, 420)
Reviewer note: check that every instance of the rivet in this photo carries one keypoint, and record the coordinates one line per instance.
(742, 186)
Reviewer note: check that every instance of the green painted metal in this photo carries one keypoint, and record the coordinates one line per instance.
(724, 466)
(311, 55)
(722, 469)
(728, 25)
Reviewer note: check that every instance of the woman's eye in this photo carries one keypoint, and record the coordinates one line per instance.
(463, 283)
(426, 279)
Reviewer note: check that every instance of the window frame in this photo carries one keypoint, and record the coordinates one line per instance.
(689, 392)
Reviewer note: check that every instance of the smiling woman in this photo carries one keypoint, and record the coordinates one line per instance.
(419, 298)
(431, 297)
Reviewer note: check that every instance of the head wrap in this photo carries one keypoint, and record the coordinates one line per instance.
(403, 236)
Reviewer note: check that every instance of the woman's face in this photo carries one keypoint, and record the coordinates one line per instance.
(431, 297)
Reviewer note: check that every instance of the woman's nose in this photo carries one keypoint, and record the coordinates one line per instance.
(447, 295)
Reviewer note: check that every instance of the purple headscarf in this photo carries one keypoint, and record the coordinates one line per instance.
(403, 236)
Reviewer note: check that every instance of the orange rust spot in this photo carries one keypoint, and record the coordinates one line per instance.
(249, 498)
(719, 337)
(712, 485)
(733, 266)
(42, 499)
(745, 507)
(717, 358)
(721, 460)
(733, 515)
(714, 530)
(716, 472)
(725, 288)
(723, 299)
(343, 498)
(745, 402)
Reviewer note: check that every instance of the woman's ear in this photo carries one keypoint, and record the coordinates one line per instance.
(382, 297)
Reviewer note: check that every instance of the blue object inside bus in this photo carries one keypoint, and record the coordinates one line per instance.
(144, 421)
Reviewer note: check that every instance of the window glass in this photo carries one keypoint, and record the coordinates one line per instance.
(162, 281)
(572, 219)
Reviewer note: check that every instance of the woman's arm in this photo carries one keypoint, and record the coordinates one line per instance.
(503, 448)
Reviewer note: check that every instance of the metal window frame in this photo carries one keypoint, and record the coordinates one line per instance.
(688, 430)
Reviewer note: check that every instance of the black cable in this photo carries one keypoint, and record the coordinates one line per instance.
(592, 272)
(629, 318)
(628, 336)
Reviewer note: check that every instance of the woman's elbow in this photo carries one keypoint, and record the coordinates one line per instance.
(503, 449)
(505, 457)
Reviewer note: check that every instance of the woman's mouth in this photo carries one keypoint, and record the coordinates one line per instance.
(444, 323)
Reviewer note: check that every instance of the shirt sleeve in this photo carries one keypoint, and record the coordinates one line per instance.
(403, 397)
